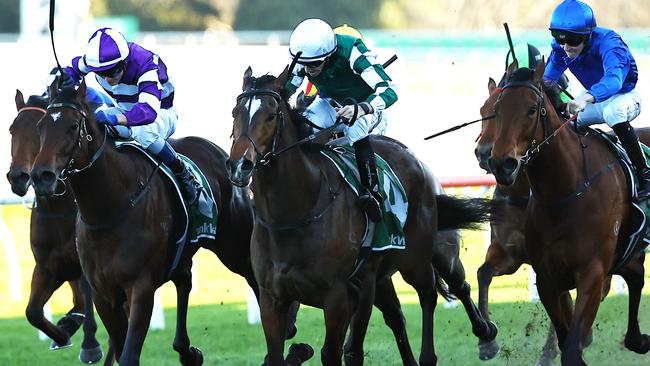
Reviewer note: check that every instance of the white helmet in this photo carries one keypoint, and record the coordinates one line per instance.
(314, 38)
(106, 47)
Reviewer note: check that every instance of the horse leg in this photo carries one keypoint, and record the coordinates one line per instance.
(633, 273)
(388, 303)
(549, 352)
(422, 279)
(274, 320)
(140, 303)
(589, 293)
(558, 307)
(188, 355)
(116, 323)
(91, 351)
(42, 286)
(292, 313)
(337, 309)
(353, 349)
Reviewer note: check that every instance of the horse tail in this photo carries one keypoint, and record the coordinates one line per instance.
(442, 288)
(462, 213)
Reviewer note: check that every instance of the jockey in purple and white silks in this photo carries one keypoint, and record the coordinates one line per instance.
(137, 80)
(604, 65)
(341, 66)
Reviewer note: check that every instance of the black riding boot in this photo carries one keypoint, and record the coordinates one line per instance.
(630, 142)
(189, 185)
(369, 198)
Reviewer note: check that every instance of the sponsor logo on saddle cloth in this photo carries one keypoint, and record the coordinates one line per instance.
(201, 217)
(389, 233)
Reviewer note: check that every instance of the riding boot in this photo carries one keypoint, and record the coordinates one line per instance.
(189, 186)
(630, 142)
(369, 198)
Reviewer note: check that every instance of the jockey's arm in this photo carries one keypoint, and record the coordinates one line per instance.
(146, 109)
(364, 62)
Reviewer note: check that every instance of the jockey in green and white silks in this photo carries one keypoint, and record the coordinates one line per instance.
(341, 66)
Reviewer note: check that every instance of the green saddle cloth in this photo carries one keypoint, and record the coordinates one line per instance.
(389, 233)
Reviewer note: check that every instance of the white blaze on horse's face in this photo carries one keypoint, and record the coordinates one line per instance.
(55, 116)
(254, 105)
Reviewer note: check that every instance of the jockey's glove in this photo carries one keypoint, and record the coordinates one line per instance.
(105, 118)
(579, 103)
(347, 112)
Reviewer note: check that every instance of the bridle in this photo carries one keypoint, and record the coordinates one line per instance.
(83, 135)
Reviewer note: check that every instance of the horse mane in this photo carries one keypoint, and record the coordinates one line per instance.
(37, 101)
(552, 90)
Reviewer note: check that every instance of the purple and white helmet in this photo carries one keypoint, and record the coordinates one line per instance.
(106, 47)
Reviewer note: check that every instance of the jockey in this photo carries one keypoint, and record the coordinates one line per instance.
(529, 56)
(341, 66)
(138, 81)
(604, 65)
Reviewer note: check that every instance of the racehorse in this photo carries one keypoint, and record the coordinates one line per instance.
(578, 212)
(308, 230)
(52, 238)
(129, 220)
(507, 251)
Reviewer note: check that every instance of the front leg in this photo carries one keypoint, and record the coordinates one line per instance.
(273, 311)
(140, 305)
(189, 356)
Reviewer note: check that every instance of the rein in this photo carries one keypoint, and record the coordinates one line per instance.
(38, 109)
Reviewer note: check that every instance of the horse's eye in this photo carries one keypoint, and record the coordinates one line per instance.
(73, 129)
(271, 117)
(532, 111)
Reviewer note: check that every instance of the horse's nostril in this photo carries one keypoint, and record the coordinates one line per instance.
(47, 177)
(510, 164)
(247, 166)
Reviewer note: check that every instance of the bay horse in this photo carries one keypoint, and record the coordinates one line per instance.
(507, 251)
(52, 239)
(578, 212)
(130, 218)
(308, 230)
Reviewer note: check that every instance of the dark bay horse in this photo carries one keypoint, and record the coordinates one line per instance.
(130, 219)
(308, 229)
(507, 251)
(578, 212)
(52, 238)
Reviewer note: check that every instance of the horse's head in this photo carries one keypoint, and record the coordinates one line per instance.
(63, 137)
(488, 131)
(258, 120)
(24, 141)
(520, 122)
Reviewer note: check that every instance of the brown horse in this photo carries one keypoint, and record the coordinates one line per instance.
(571, 232)
(130, 219)
(507, 251)
(52, 238)
(308, 229)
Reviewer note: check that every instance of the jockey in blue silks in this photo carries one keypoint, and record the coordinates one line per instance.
(137, 80)
(604, 65)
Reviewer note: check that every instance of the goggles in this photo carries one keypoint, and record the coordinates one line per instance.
(572, 40)
(112, 72)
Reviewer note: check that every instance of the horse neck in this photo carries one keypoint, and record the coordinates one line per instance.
(289, 186)
(102, 190)
(556, 171)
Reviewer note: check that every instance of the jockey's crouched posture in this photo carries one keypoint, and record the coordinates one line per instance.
(137, 79)
(341, 67)
(604, 65)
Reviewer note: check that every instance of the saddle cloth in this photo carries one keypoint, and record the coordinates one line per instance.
(639, 237)
(201, 217)
(387, 234)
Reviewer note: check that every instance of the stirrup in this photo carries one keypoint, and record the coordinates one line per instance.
(369, 204)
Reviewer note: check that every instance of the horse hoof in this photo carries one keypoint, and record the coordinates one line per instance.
(353, 359)
(91, 355)
(291, 332)
(640, 345)
(487, 350)
(55, 346)
(545, 362)
(193, 358)
(299, 353)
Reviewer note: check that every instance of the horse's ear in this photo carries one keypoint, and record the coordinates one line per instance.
(282, 79)
(81, 91)
(491, 85)
(539, 70)
(20, 100)
(247, 78)
(511, 68)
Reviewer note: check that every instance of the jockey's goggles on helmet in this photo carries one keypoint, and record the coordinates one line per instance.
(570, 39)
(312, 63)
(112, 72)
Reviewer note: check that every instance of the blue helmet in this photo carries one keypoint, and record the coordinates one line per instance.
(574, 17)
